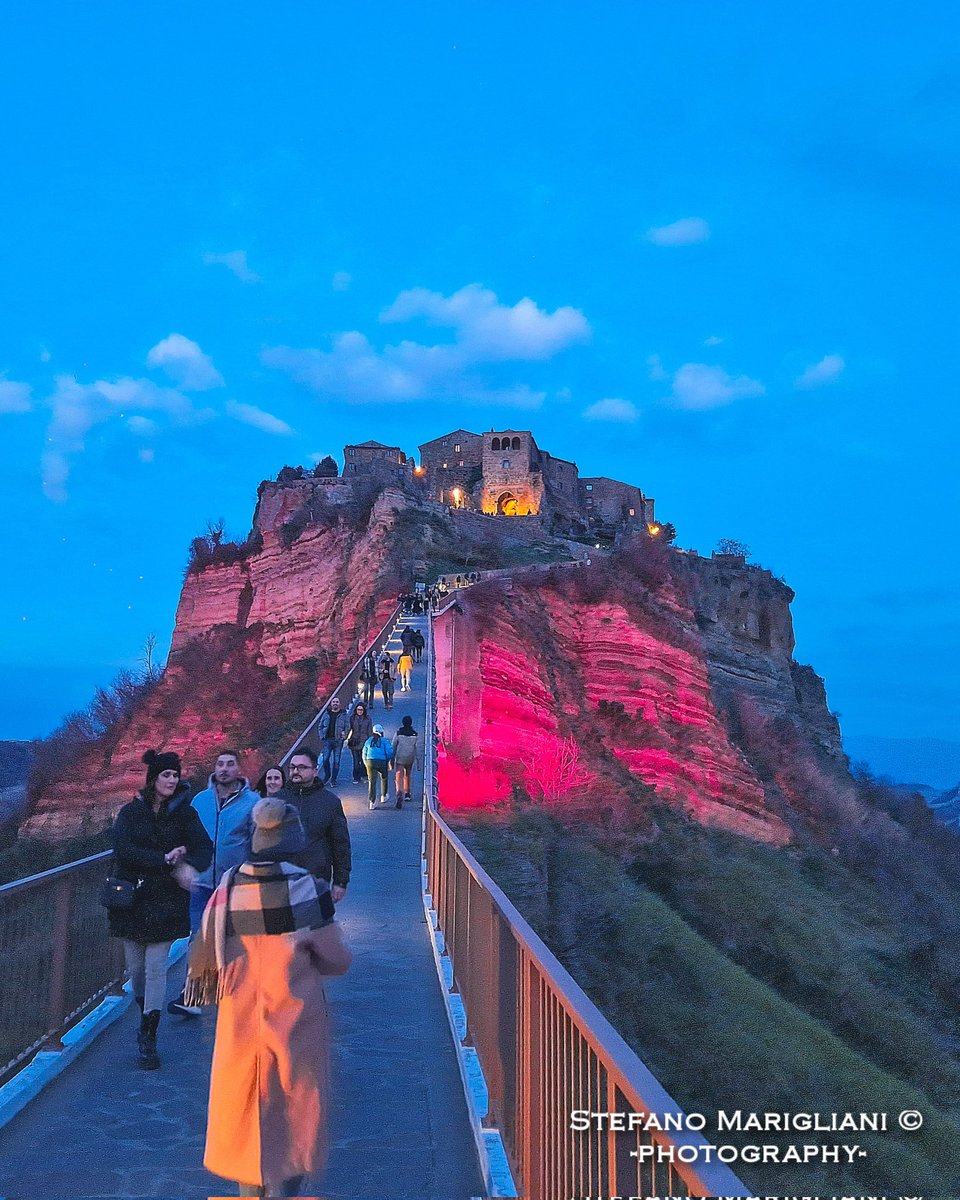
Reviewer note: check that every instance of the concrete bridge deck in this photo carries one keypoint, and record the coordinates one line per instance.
(399, 1127)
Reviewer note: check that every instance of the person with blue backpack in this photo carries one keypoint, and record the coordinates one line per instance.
(377, 757)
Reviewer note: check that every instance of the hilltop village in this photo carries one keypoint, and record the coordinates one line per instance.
(502, 473)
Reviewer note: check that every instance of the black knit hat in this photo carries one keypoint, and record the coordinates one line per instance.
(161, 760)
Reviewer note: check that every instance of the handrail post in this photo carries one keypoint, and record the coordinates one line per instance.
(57, 996)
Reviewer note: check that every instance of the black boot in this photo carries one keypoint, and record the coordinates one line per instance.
(147, 1041)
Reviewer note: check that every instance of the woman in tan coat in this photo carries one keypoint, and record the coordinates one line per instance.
(268, 939)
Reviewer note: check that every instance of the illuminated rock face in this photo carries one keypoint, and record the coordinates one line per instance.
(536, 675)
(254, 642)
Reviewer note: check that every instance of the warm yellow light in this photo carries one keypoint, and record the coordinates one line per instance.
(654, 530)
(456, 493)
(418, 470)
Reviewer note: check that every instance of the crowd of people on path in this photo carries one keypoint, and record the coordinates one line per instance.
(430, 599)
(253, 875)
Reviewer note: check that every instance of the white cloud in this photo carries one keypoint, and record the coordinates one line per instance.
(612, 409)
(712, 341)
(185, 363)
(249, 414)
(827, 370)
(236, 262)
(77, 408)
(14, 397)
(489, 331)
(698, 386)
(341, 281)
(486, 332)
(688, 231)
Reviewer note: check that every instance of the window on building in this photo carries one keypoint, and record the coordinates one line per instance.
(632, 512)
(350, 450)
(462, 463)
(589, 487)
(515, 445)
(495, 444)
(456, 449)
(506, 464)
(352, 467)
(444, 466)
(589, 502)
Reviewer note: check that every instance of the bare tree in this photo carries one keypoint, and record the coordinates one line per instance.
(150, 667)
(557, 770)
(214, 532)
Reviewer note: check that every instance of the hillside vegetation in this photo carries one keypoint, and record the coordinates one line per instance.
(749, 976)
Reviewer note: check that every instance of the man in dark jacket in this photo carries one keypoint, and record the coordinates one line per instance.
(327, 853)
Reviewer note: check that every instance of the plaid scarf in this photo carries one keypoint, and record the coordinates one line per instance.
(251, 900)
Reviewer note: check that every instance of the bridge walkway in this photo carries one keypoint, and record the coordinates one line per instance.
(399, 1126)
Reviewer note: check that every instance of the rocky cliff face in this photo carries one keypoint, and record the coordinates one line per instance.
(560, 685)
(257, 642)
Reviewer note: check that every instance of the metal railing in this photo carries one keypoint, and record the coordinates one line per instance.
(346, 689)
(546, 1050)
(56, 958)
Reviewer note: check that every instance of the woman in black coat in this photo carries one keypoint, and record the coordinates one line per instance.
(158, 842)
(361, 727)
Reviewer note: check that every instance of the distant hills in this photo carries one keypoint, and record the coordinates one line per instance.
(930, 761)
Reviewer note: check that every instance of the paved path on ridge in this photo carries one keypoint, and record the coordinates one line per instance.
(399, 1128)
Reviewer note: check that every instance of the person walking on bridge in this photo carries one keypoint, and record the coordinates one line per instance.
(268, 939)
(418, 645)
(377, 757)
(387, 674)
(404, 756)
(332, 730)
(327, 854)
(158, 842)
(224, 808)
(368, 679)
(404, 669)
(361, 727)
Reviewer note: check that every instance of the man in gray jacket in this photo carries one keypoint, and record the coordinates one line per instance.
(333, 730)
(225, 808)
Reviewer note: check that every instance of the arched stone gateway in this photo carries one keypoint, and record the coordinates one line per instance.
(507, 504)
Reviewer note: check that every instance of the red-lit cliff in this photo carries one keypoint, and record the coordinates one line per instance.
(565, 682)
(262, 631)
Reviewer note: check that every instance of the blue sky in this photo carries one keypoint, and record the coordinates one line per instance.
(709, 249)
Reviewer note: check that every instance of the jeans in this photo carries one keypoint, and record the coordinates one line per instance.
(367, 688)
(330, 760)
(147, 968)
(289, 1187)
(198, 902)
(386, 687)
(377, 769)
(359, 770)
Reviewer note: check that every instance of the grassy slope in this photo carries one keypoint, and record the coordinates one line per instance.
(713, 1033)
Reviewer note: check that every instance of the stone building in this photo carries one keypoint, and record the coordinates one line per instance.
(451, 467)
(505, 473)
(608, 502)
(374, 460)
